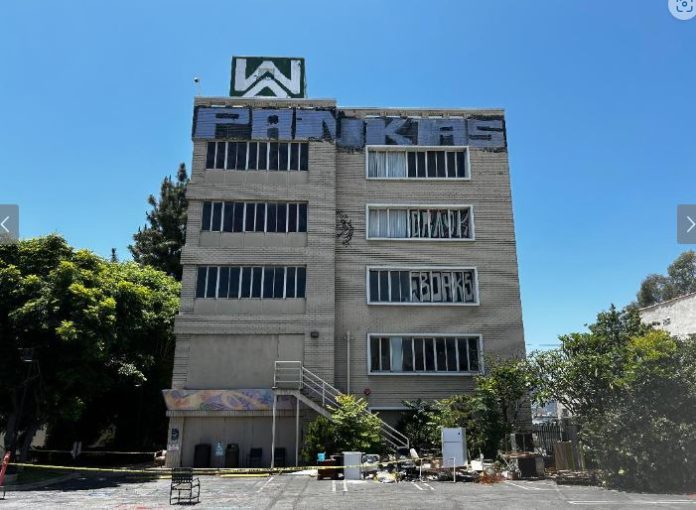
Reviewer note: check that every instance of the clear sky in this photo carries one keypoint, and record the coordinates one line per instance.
(600, 98)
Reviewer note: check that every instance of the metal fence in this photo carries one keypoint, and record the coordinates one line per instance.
(558, 442)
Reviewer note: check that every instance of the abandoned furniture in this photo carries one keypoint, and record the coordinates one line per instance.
(187, 488)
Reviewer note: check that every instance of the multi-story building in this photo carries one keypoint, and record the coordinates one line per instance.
(676, 316)
(375, 247)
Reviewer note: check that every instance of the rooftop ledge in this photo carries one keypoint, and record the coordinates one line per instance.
(331, 103)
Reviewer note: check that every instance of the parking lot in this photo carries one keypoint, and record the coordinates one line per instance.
(295, 491)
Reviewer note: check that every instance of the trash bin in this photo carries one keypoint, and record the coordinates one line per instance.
(201, 455)
(232, 455)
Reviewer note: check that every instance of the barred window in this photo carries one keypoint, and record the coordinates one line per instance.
(273, 217)
(419, 222)
(417, 163)
(424, 354)
(422, 286)
(242, 282)
(273, 156)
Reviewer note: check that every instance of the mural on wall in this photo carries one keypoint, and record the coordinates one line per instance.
(268, 77)
(224, 400)
(349, 133)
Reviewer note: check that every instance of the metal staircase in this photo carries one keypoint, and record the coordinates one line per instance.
(291, 378)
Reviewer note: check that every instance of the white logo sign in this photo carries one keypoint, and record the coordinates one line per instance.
(262, 76)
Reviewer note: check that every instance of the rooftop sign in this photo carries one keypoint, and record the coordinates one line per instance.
(268, 77)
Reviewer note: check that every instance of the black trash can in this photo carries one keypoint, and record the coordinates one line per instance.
(201, 455)
(232, 455)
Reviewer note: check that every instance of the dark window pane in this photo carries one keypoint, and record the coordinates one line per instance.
(473, 354)
(304, 156)
(241, 155)
(220, 156)
(246, 282)
(290, 282)
(301, 276)
(210, 156)
(407, 354)
(432, 165)
(412, 164)
(294, 156)
(415, 288)
(386, 353)
(374, 353)
(268, 282)
(405, 288)
(441, 354)
(224, 282)
(271, 217)
(234, 282)
(231, 156)
(263, 161)
(212, 282)
(384, 286)
(461, 165)
(239, 216)
(421, 164)
(253, 149)
(200, 282)
(279, 282)
(292, 217)
(395, 286)
(217, 217)
(228, 216)
(283, 156)
(273, 157)
(418, 352)
(374, 286)
(205, 223)
(260, 217)
(441, 171)
(451, 165)
(302, 222)
(281, 213)
(256, 274)
(429, 355)
(463, 362)
(250, 217)
(451, 354)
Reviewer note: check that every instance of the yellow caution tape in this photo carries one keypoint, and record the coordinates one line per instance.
(208, 471)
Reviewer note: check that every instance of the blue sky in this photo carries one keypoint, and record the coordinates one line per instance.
(600, 99)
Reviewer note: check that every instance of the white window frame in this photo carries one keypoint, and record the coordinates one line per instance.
(469, 373)
(477, 293)
(418, 148)
(369, 207)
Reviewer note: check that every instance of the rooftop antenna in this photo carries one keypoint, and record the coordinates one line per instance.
(197, 82)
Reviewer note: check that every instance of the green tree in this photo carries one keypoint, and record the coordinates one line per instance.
(680, 280)
(159, 243)
(633, 392)
(350, 428)
(101, 333)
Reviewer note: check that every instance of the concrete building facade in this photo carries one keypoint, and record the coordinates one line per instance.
(676, 316)
(375, 246)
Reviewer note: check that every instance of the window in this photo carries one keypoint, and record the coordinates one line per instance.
(272, 156)
(422, 286)
(420, 222)
(254, 217)
(417, 163)
(423, 354)
(235, 282)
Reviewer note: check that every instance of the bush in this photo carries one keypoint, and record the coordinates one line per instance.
(351, 428)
